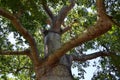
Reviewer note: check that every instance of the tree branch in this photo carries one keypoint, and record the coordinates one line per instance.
(102, 12)
(24, 32)
(66, 29)
(6, 14)
(102, 25)
(47, 10)
(64, 11)
(92, 56)
(89, 34)
(25, 52)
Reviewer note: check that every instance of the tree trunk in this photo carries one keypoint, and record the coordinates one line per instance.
(59, 71)
(52, 42)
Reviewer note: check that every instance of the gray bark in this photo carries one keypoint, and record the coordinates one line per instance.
(62, 71)
(52, 43)
(59, 72)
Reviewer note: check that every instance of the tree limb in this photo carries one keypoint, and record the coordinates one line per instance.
(25, 52)
(64, 11)
(24, 32)
(92, 56)
(47, 9)
(89, 34)
(6, 14)
(101, 11)
(65, 29)
(102, 25)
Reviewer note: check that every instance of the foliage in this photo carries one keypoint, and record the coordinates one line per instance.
(33, 18)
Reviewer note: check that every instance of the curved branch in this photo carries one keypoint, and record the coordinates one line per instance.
(24, 32)
(89, 34)
(92, 56)
(102, 12)
(102, 25)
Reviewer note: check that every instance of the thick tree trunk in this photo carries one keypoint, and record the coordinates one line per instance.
(59, 71)
(52, 42)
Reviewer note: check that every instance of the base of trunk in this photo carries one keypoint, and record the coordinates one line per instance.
(59, 72)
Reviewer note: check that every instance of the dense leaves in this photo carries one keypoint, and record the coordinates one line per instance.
(33, 18)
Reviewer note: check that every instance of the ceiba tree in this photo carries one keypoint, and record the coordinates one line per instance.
(55, 64)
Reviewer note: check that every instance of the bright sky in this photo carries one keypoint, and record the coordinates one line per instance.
(13, 41)
(89, 70)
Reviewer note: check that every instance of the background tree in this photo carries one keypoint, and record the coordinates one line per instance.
(51, 34)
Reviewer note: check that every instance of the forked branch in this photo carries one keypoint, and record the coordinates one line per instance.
(102, 25)
(15, 21)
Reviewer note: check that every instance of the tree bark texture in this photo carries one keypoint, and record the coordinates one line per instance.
(52, 42)
(58, 72)
(61, 71)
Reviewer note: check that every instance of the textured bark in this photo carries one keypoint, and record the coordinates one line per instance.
(52, 43)
(62, 71)
(58, 72)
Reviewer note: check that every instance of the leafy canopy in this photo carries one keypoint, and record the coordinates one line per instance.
(33, 18)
